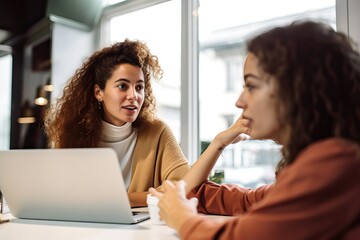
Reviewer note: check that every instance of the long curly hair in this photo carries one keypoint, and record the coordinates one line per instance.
(317, 74)
(75, 119)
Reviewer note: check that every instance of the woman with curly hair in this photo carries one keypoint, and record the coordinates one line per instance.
(109, 103)
(302, 88)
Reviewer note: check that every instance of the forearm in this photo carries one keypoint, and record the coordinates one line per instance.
(201, 169)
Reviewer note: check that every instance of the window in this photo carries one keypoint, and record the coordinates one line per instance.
(233, 74)
(5, 100)
(159, 26)
(219, 29)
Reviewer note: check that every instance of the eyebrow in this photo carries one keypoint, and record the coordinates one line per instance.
(128, 81)
(250, 75)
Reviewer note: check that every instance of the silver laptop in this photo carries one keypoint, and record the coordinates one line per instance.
(66, 184)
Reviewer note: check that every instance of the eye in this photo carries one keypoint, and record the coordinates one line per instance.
(249, 87)
(123, 86)
(140, 88)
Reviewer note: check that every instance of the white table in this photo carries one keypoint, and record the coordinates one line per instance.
(56, 230)
(25, 229)
(21, 229)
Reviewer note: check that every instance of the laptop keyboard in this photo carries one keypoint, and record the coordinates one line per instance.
(140, 216)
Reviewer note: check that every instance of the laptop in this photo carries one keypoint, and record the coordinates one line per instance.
(79, 184)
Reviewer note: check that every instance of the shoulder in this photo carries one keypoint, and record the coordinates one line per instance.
(331, 148)
(153, 126)
(332, 158)
(154, 129)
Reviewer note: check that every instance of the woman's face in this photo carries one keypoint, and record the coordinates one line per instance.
(258, 102)
(123, 95)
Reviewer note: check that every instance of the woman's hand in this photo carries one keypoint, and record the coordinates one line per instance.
(238, 131)
(175, 208)
(201, 169)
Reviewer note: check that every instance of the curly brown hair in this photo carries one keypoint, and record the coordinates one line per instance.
(75, 119)
(317, 73)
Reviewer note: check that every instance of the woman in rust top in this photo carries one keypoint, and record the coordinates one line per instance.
(302, 90)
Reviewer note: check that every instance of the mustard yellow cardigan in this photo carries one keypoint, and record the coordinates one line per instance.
(157, 157)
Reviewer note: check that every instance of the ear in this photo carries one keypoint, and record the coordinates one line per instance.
(98, 93)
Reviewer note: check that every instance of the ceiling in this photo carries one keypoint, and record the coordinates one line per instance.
(17, 16)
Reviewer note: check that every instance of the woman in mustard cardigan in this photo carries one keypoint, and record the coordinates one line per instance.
(109, 103)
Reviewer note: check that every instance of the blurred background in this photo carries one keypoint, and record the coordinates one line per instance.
(201, 47)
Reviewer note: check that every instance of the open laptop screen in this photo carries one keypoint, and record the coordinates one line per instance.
(65, 184)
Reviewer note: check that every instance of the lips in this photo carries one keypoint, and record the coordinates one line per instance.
(246, 117)
(130, 107)
(249, 120)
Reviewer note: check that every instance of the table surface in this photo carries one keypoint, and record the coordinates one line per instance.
(41, 229)
(60, 230)
(38, 230)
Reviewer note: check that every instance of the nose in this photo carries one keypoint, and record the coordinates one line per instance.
(240, 103)
(132, 94)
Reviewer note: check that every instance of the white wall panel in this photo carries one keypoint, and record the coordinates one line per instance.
(70, 47)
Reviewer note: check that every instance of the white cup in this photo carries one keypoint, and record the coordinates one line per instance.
(152, 203)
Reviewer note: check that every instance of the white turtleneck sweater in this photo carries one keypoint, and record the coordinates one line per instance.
(122, 139)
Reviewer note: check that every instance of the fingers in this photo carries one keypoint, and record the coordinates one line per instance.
(243, 124)
(181, 183)
(169, 189)
(194, 201)
(166, 185)
(244, 137)
(180, 186)
(155, 193)
(242, 120)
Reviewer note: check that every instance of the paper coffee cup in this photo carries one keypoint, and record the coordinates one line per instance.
(152, 203)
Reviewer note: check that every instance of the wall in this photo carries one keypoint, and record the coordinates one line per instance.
(66, 42)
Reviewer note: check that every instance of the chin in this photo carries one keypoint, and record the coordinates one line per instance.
(131, 120)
